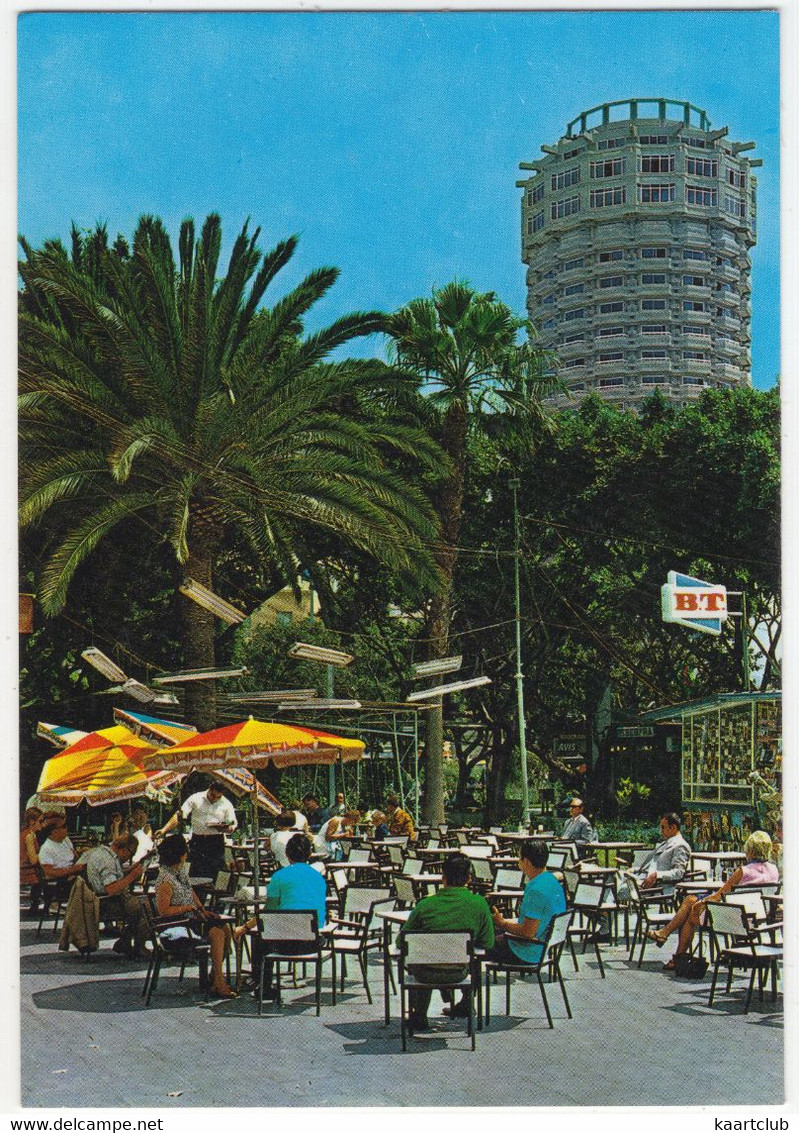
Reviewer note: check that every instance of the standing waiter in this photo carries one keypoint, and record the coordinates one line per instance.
(212, 817)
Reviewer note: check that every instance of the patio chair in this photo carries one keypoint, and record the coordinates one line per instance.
(648, 905)
(361, 930)
(412, 867)
(590, 903)
(553, 942)
(450, 953)
(359, 854)
(478, 850)
(403, 890)
(290, 936)
(182, 950)
(556, 860)
(738, 945)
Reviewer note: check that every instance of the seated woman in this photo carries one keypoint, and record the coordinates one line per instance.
(338, 826)
(32, 822)
(757, 870)
(174, 897)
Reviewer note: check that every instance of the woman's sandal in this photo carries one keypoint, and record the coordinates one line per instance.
(653, 934)
(670, 966)
(224, 993)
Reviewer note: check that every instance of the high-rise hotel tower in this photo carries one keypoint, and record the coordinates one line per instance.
(636, 230)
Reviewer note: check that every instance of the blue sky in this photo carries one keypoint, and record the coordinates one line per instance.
(389, 142)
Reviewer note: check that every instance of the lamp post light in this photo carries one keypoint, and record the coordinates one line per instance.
(514, 486)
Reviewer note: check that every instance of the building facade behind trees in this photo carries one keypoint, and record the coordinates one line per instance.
(636, 231)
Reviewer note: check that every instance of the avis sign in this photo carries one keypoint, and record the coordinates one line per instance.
(690, 602)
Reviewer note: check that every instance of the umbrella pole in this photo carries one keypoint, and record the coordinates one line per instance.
(256, 834)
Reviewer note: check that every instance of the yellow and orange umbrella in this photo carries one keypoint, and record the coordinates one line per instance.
(240, 781)
(255, 743)
(102, 767)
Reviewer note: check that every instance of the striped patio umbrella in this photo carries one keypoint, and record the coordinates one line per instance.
(238, 779)
(102, 767)
(255, 743)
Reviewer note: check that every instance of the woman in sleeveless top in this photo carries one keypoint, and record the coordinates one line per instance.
(757, 870)
(174, 897)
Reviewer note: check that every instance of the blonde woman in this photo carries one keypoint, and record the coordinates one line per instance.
(757, 870)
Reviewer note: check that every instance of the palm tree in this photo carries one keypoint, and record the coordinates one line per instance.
(462, 346)
(157, 391)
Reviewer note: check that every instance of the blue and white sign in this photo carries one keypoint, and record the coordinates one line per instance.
(691, 602)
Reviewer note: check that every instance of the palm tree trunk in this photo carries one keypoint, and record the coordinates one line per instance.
(197, 627)
(450, 502)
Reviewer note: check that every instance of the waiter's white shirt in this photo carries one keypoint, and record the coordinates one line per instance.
(206, 816)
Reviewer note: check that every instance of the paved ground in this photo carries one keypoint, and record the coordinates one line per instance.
(87, 1040)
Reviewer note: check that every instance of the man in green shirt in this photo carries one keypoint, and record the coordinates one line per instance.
(453, 908)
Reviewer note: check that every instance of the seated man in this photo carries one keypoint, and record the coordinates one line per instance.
(142, 831)
(399, 821)
(452, 908)
(296, 886)
(520, 941)
(667, 863)
(312, 812)
(577, 827)
(57, 856)
(106, 878)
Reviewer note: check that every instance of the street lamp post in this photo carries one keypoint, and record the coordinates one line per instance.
(514, 487)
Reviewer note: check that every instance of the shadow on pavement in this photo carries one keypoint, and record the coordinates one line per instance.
(111, 996)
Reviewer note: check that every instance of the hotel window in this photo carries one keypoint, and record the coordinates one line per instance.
(655, 194)
(696, 195)
(537, 194)
(695, 356)
(727, 288)
(611, 281)
(600, 198)
(653, 328)
(612, 356)
(611, 167)
(610, 308)
(567, 207)
(537, 222)
(655, 380)
(574, 289)
(697, 332)
(734, 207)
(725, 312)
(573, 338)
(572, 265)
(653, 304)
(573, 364)
(694, 281)
(693, 254)
(697, 143)
(609, 257)
(577, 385)
(611, 143)
(566, 178)
(610, 332)
(694, 305)
(547, 299)
(651, 355)
(549, 324)
(653, 140)
(736, 179)
(577, 313)
(654, 253)
(701, 167)
(724, 262)
(653, 277)
(572, 152)
(692, 381)
(604, 382)
(723, 336)
(656, 163)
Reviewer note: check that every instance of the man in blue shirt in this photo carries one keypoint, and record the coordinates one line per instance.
(519, 940)
(296, 886)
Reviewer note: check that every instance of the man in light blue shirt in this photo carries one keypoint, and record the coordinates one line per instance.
(543, 899)
(296, 886)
